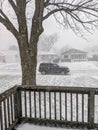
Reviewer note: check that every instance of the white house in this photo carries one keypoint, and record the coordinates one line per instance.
(12, 56)
(74, 55)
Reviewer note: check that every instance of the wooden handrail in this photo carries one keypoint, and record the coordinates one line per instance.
(69, 89)
(7, 109)
(7, 93)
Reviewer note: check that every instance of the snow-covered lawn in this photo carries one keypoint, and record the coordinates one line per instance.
(80, 65)
(8, 81)
(82, 74)
(10, 75)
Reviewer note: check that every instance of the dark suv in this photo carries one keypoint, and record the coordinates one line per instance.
(50, 68)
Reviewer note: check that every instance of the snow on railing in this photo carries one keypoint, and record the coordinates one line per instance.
(49, 105)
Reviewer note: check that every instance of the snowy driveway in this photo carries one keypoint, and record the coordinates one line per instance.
(82, 74)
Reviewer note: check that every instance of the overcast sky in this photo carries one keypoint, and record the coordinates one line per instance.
(65, 37)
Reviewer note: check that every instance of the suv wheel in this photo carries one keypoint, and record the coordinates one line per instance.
(43, 72)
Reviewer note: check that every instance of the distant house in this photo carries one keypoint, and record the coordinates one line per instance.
(47, 57)
(12, 56)
(2, 58)
(9, 56)
(93, 53)
(74, 55)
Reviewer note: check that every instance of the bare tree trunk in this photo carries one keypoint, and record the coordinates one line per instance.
(28, 62)
(29, 72)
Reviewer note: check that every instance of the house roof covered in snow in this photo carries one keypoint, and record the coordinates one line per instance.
(73, 51)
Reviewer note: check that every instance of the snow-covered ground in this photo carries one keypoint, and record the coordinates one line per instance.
(33, 127)
(82, 74)
(10, 75)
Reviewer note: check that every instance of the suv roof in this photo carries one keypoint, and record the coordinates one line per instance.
(46, 64)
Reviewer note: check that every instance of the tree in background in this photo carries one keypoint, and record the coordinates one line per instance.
(46, 42)
(24, 19)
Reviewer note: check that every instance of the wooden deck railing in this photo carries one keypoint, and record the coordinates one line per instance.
(7, 109)
(49, 105)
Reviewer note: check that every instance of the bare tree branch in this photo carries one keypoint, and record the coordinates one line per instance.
(13, 6)
(37, 27)
(82, 13)
(6, 22)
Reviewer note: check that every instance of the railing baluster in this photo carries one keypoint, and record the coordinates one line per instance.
(14, 106)
(71, 107)
(25, 104)
(77, 107)
(35, 104)
(5, 116)
(8, 106)
(44, 104)
(55, 105)
(60, 106)
(1, 117)
(30, 103)
(11, 101)
(82, 107)
(50, 105)
(39, 104)
(66, 106)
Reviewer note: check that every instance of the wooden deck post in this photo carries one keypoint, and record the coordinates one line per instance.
(17, 104)
(1, 123)
(91, 103)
